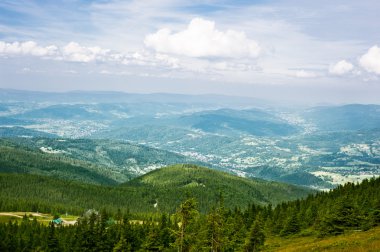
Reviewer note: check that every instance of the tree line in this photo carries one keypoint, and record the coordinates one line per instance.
(348, 207)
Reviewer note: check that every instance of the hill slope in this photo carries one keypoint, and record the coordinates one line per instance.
(45, 194)
(14, 160)
(206, 184)
(95, 161)
(353, 241)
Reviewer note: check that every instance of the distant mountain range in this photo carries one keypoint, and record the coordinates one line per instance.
(347, 117)
(11, 95)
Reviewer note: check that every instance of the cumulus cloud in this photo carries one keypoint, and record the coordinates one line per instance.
(27, 48)
(371, 60)
(74, 52)
(202, 39)
(341, 68)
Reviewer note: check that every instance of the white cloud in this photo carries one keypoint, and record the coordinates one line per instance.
(371, 60)
(340, 68)
(27, 48)
(202, 39)
(71, 52)
(304, 74)
(74, 52)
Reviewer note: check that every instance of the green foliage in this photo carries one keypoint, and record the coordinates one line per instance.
(207, 184)
(292, 225)
(18, 160)
(90, 161)
(187, 214)
(164, 188)
(349, 207)
(256, 236)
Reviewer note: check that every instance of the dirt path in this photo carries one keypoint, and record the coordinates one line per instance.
(10, 214)
(68, 223)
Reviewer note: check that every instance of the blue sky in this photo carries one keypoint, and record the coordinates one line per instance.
(300, 51)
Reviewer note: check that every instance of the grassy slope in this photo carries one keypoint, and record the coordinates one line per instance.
(349, 242)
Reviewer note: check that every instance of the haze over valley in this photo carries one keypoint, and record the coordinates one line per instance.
(319, 147)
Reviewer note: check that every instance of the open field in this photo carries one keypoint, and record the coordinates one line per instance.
(41, 217)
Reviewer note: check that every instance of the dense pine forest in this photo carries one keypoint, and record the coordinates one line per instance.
(352, 207)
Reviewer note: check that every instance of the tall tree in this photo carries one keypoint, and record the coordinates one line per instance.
(256, 236)
(187, 213)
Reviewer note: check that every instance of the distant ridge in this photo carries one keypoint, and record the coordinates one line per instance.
(79, 96)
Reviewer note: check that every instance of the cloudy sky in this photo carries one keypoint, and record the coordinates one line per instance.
(304, 51)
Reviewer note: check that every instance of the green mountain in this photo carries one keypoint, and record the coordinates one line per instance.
(15, 160)
(206, 184)
(86, 160)
(160, 190)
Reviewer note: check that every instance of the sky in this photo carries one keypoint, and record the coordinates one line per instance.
(287, 50)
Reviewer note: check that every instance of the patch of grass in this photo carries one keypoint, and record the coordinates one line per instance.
(44, 218)
(353, 241)
(6, 219)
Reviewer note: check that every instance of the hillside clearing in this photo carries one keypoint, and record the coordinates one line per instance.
(350, 242)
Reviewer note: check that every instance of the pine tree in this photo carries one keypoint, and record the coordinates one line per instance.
(164, 232)
(215, 230)
(52, 242)
(122, 245)
(186, 213)
(292, 225)
(256, 236)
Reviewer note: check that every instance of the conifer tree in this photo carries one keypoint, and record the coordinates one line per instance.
(52, 241)
(215, 230)
(186, 213)
(256, 236)
(122, 245)
(292, 225)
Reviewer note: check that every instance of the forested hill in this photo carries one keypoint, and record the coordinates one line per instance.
(85, 160)
(300, 225)
(204, 183)
(16, 159)
(160, 190)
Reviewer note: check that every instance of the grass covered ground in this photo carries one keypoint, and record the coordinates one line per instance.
(5, 217)
(349, 242)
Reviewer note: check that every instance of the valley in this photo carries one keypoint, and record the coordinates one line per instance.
(318, 147)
